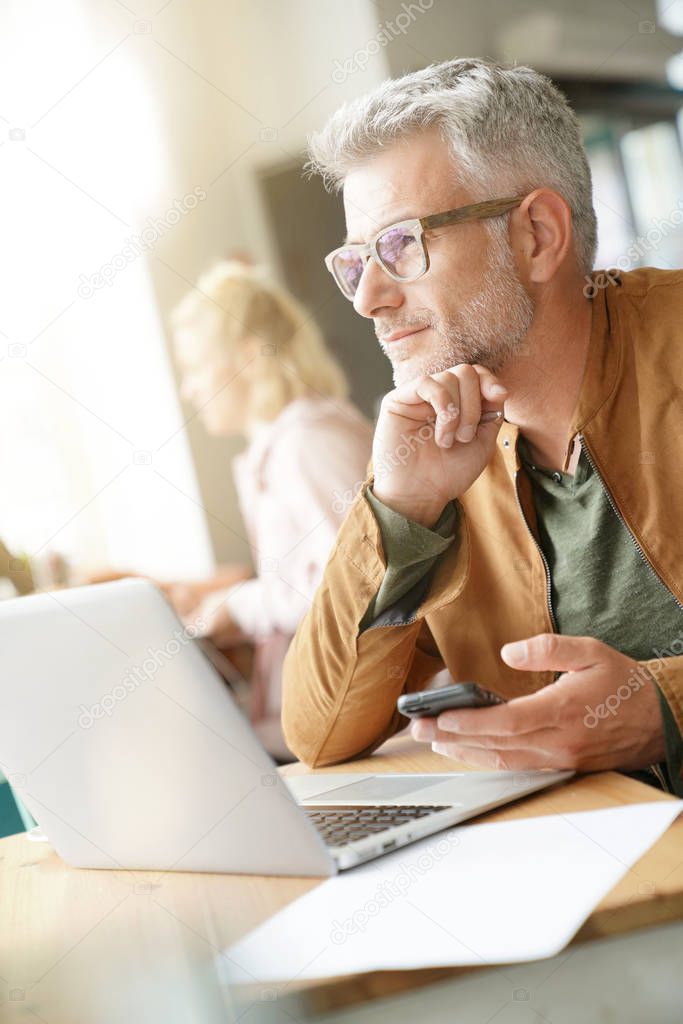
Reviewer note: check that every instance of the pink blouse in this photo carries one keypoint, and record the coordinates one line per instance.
(295, 483)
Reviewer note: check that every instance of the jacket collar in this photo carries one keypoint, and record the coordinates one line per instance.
(600, 375)
(604, 357)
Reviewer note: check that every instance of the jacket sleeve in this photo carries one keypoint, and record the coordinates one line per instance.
(340, 685)
(668, 677)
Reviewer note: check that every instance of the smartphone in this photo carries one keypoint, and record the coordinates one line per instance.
(431, 703)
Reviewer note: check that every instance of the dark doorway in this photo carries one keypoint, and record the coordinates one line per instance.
(307, 222)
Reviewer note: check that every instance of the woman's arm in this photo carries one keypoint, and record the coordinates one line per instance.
(313, 472)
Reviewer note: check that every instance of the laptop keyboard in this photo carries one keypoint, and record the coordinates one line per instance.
(341, 825)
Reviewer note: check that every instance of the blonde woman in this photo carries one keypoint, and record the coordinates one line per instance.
(253, 363)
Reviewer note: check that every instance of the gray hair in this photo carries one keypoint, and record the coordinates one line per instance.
(509, 129)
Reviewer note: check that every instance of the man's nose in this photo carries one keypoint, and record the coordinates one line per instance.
(376, 291)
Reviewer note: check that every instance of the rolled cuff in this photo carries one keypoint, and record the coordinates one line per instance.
(411, 552)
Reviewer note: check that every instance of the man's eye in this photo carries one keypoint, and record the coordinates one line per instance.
(395, 243)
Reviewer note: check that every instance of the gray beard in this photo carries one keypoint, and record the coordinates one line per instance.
(489, 329)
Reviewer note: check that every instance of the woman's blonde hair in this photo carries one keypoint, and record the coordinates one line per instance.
(239, 302)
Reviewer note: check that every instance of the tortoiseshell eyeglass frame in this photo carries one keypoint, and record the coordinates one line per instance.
(418, 225)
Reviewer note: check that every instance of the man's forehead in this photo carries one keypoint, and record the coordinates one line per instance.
(406, 180)
(367, 209)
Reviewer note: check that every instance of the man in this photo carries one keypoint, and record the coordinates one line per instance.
(534, 552)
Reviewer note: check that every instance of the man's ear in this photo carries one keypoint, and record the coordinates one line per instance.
(542, 234)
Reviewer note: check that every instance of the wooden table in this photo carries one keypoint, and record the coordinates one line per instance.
(113, 946)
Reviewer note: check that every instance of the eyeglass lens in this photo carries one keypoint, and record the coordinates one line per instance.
(399, 250)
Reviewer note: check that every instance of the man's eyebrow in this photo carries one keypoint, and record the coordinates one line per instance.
(383, 227)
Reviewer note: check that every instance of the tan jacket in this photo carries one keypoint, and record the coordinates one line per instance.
(340, 689)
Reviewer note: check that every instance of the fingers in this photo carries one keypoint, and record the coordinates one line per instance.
(520, 716)
(492, 391)
(523, 752)
(456, 399)
(554, 652)
(445, 397)
(470, 402)
(433, 731)
(494, 760)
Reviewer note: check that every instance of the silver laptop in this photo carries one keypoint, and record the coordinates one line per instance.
(128, 749)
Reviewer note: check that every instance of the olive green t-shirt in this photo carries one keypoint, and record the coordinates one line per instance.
(601, 584)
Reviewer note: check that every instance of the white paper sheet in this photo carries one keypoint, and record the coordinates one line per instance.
(475, 895)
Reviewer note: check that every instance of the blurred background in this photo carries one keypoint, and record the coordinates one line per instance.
(140, 142)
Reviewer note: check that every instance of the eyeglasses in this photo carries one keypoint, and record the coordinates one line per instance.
(401, 249)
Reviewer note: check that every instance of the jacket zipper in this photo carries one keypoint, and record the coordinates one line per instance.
(589, 457)
(548, 581)
(654, 768)
(659, 775)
